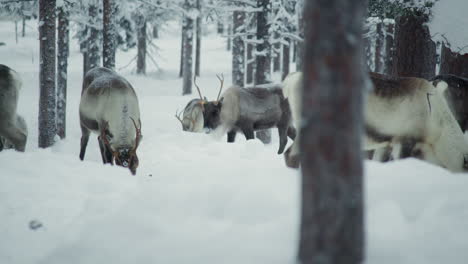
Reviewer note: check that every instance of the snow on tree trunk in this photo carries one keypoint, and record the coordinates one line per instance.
(286, 58)
(62, 65)
(332, 227)
(188, 50)
(198, 40)
(415, 52)
(453, 63)
(262, 55)
(238, 47)
(109, 34)
(47, 96)
(92, 55)
(141, 46)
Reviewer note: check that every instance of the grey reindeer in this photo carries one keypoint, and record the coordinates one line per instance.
(13, 129)
(109, 107)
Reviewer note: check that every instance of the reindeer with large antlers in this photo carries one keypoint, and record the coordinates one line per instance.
(109, 107)
(192, 117)
(248, 110)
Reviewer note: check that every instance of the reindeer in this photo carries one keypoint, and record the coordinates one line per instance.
(109, 107)
(248, 110)
(456, 96)
(409, 115)
(192, 119)
(13, 129)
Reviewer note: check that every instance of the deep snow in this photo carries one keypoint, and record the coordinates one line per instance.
(195, 199)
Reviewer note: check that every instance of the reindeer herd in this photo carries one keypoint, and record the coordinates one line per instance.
(404, 117)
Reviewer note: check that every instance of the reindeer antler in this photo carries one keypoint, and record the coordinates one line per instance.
(178, 117)
(138, 133)
(196, 85)
(220, 88)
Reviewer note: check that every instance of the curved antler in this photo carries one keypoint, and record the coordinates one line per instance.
(138, 134)
(178, 117)
(220, 88)
(196, 85)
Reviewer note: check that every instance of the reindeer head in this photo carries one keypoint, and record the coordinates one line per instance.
(212, 109)
(123, 155)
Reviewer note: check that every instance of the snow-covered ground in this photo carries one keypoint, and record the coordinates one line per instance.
(195, 199)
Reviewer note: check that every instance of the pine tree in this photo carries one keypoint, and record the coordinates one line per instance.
(63, 43)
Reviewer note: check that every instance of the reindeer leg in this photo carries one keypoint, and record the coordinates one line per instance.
(14, 136)
(248, 133)
(282, 131)
(102, 148)
(84, 141)
(231, 136)
(292, 133)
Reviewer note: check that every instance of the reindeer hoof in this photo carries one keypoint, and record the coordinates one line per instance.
(292, 161)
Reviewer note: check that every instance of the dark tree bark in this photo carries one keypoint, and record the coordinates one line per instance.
(453, 63)
(299, 45)
(238, 56)
(198, 40)
(63, 41)
(250, 63)
(415, 52)
(286, 58)
(229, 39)
(332, 228)
(263, 67)
(155, 31)
(16, 31)
(47, 73)
(109, 34)
(23, 30)
(220, 27)
(188, 51)
(141, 38)
(182, 46)
(93, 41)
(379, 48)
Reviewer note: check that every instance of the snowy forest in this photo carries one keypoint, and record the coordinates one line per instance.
(233, 131)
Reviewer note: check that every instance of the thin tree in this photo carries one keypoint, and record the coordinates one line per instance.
(198, 40)
(263, 68)
(188, 50)
(299, 45)
(182, 45)
(93, 39)
(109, 34)
(238, 48)
(415, 52)
(332, 228)
(141, 50)
(47, 127)
(62, 65)
(453, 62)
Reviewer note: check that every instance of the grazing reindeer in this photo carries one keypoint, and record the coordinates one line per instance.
(248, 110)
(411, 116)
(457, 96)
(192, 119)
(13, 129)
(109, 108)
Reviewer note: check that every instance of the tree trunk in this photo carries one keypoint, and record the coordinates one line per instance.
(263, 67)
(198, 41)
(299, 50)
(108, 46)
(229, 39)
(453, 63)
(276, 52)
(389, 26)
(182, 46)
(286, 58)
(62, 65)
(23, 30)
(16, 31)
(220, 28)
(47, 73)
(250, 63)
(188, 51)
(379, 48)
(415, 52)
(238, 63)
(93, 41)
(155, 31)
(332, 227)
(141, 38)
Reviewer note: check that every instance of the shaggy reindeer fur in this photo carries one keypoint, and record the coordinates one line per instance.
(108, 105)
(408, 115)
(292, 91)
(248, 110)
(13, 129)
(457, 96)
